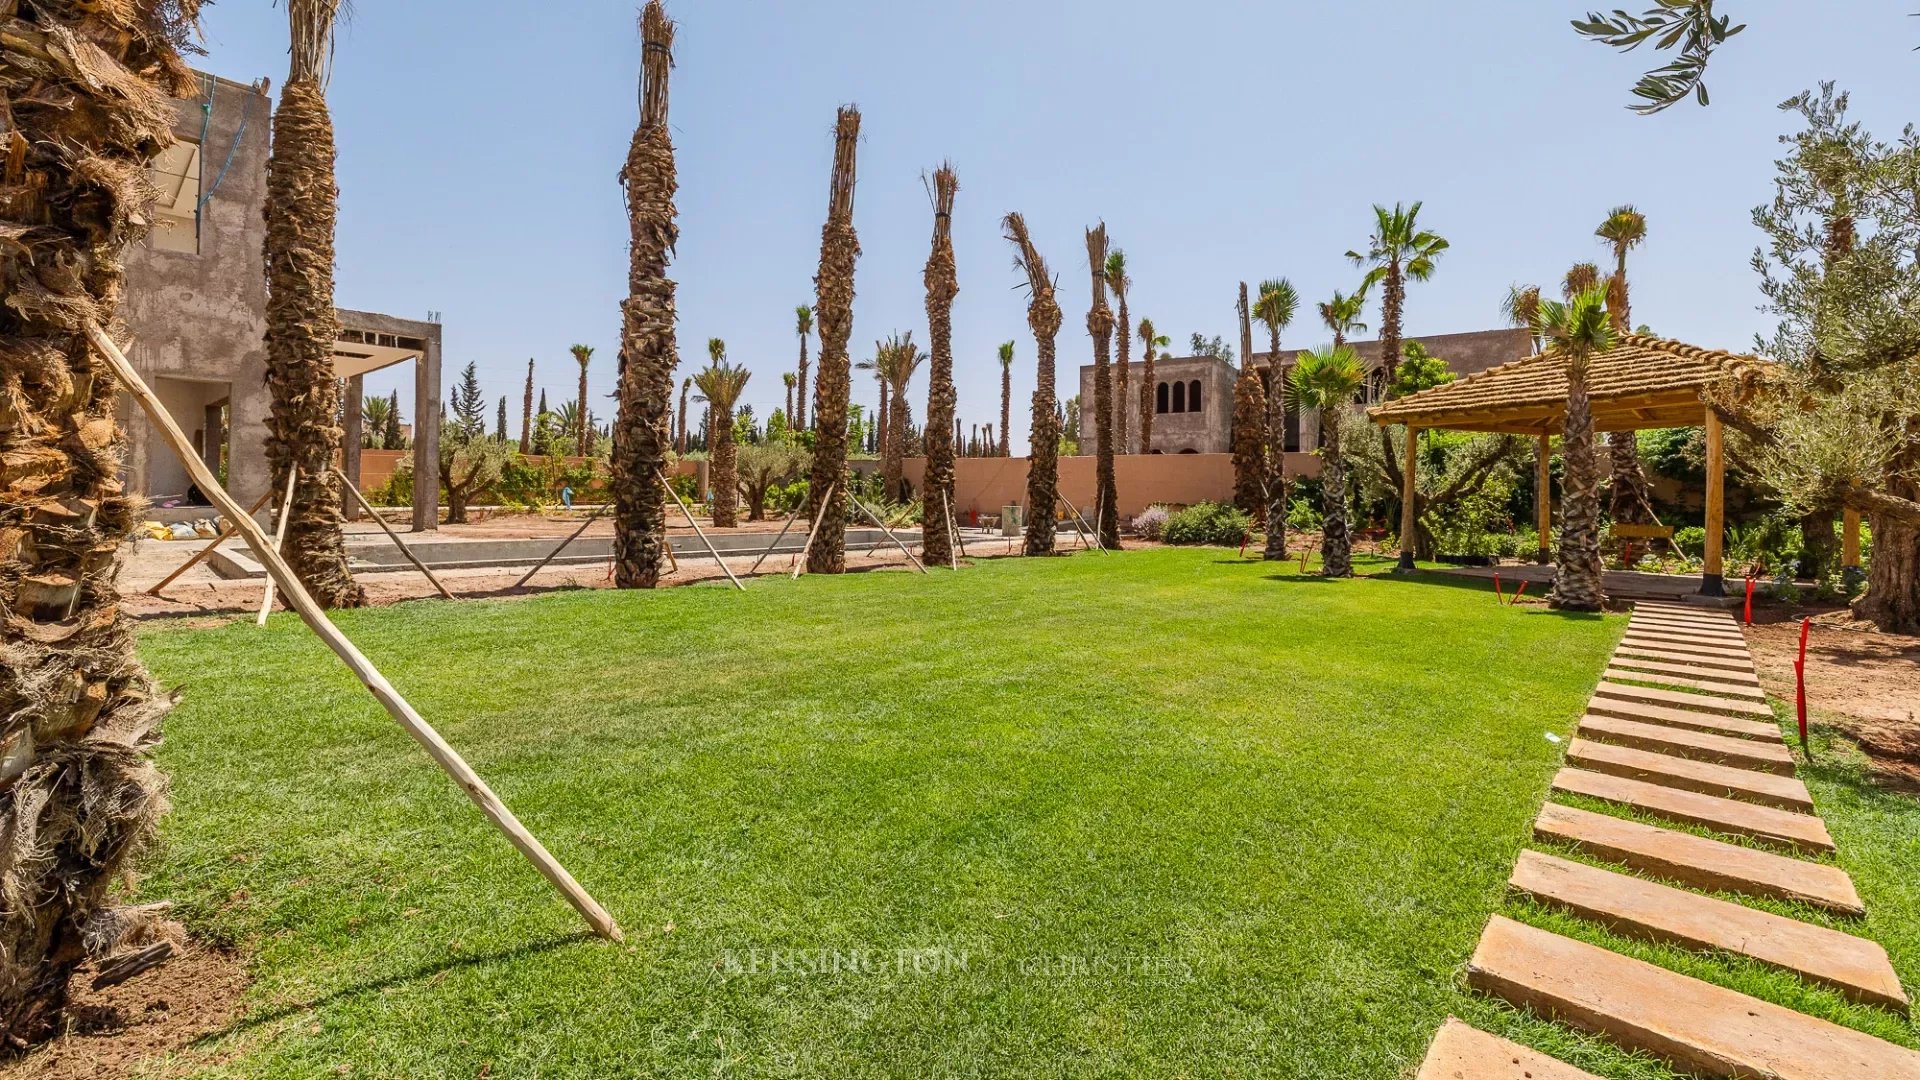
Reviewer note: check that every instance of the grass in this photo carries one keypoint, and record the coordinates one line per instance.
(1169, 813)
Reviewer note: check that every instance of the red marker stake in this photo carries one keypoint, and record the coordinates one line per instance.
(1517, 594)
(1501, 597)
(1749, 601)
(1800, 689)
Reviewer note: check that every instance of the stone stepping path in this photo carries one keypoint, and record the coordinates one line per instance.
(1680, 730)
(1636, 907)
(1765, 789)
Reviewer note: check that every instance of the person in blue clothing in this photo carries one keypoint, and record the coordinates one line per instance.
(566, 495)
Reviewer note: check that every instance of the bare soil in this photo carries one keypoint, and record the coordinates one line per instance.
(144, 1021)
(1860, 681)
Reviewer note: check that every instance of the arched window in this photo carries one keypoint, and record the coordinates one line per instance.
(1160, 398)
(1179, 397)
(1193, 396)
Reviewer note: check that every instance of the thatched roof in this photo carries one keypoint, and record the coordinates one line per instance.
(1643, 382)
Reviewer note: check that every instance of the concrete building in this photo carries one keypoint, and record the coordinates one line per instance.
(1193, 395)
(196, 305)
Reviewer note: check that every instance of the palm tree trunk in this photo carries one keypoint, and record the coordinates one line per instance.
(799, 416)
(584, 437)
(1336, 543)
(1043, 454)
(1100, 328)
(1577, 583)
(895, 455)
(833, 313)
(301, 329)
(79, 716)
(1147, 402)
(1249, 426)
(1006, 411)
(1123, 348)
(724, 458)
(1393, 302)
(680, 447)
(1276, 493)
(943, 427)
(649, 351)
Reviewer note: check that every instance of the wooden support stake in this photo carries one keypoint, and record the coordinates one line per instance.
(361, 500)
(776, 542)
(917, 565)
(555, 553)
(697, 530)
(1077, 522)
(436, 747)
(954, 550)
(200, 556)
(801, 563)
(279, 538)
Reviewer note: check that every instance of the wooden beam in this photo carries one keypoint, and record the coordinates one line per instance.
(225, 534)
(697, 531)
(361, 500)
(1712, 582)
(279, 541)
(1407, 493)
(1850, 539)
(1543, 497)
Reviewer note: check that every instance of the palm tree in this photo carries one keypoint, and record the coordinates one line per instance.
(1327, 379)
(1342, 314)
(833, 305)
(1625, 229)
(1152, 340)
(1576, 331)
(788, 379)
(686, 386)
(1100, 328)
(583, 354)
(1121, 284)
(302, 204)
(721, 384)
(1399, 251)
(894, 362)
(1581, 277)
(526, 413)
(883, 412)
(375, 409)
(1043, 453)
(649, 348)
(1006, 397)
(943, 427)
(1275, 308)
(802, 326)
(1519, 307)
(1249, 426)
(87, 86)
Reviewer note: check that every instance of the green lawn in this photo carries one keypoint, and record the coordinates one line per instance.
(1161, 814)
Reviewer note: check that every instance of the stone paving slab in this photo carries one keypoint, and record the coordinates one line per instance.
(1616, 674)
(1461, 1052)
(1698, 860)
(1716, 663)
(1694, 1024)
(1698, 745)
(1682, 699)
(1685, 718)
(1641, 638)
(1768, 824)
(1635, 907)
(1764, 789)
(1728, 676)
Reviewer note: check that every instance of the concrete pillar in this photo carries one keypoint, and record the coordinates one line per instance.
(1543, 497)
(1712, 581)
(426, 437)
(355, 430)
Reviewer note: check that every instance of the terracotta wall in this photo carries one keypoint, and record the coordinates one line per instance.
(984, 485)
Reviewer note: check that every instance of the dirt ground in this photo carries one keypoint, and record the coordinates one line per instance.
(138, 1023)
(1865, 683)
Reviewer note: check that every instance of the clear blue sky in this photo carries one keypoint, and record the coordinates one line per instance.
(1220, 141)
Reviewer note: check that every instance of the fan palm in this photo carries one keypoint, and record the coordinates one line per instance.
(649, 345)
(583, 355)
(1518, 308)
(722, 384)
(1342, 314)
(943, 427)
(1151, 340)
(1006, 397)
(1100, 328)
(1624, 229)
(802, 326)
(1576, 331)
(1327, 379)
(1043, 454)
(1399, 251)
(1249, 427)
(833, 306)
(788, 379)
(1581, 277)
(1276, 306)
(302, 325)
(87, 88)
(1121, 284)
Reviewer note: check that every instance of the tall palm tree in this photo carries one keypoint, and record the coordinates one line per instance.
(788, 380)
(1152, 340)
(1581, 277)
(1100, 328)
(1006, 397)
(721, 384)
(1327, 379)
(833, 306)
(1249, 427)
(1518, 308)
(80, 798)
(894, 362)
(375, 409)
(1043, 453)
(680, 446)
(649, 347)
(1275, 308)
(1121, 284)
(1576, 331)
(1399, 251)
(1342, 314)
(302, 204)
(943, 284)
(883, 412)
(802, 326)
(1624, 229)
(526, 412)
(583, 435)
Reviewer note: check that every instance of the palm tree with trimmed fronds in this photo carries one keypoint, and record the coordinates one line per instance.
(302, 324)
(1576, 332)
(1043, 453)
(1327, 379)
(833, 307)
(802, 327)
(87, 87)
(942, 281)
(1275, 307)
(1342, 314)
(1100, 329)
(583, 434)
(1006, 397)
(1249, 427)
(788, 379)
(1121, 284)
(1581, 277)
(1624, 229)
(1519, 307)
(722, 384)
(1151, 340)
(1399, 251)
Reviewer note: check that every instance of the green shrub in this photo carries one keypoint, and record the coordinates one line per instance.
(1691, 540)
(1207, 523)
(1304, 516)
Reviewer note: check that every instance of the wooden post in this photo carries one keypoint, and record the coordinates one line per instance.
(811, 533)
(361, 501)
(776, 542)
(355, 424)
(1407, 491)
(955, 549)
(555, 553)
(1712, 583)
(917, 565)
(697, 530)
(1543, 497)
(1077, 520)
(279, 538)
(1850, 542)
(199, 556)
(436, 747)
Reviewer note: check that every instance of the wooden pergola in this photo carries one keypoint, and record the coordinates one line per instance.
(1642, 382)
